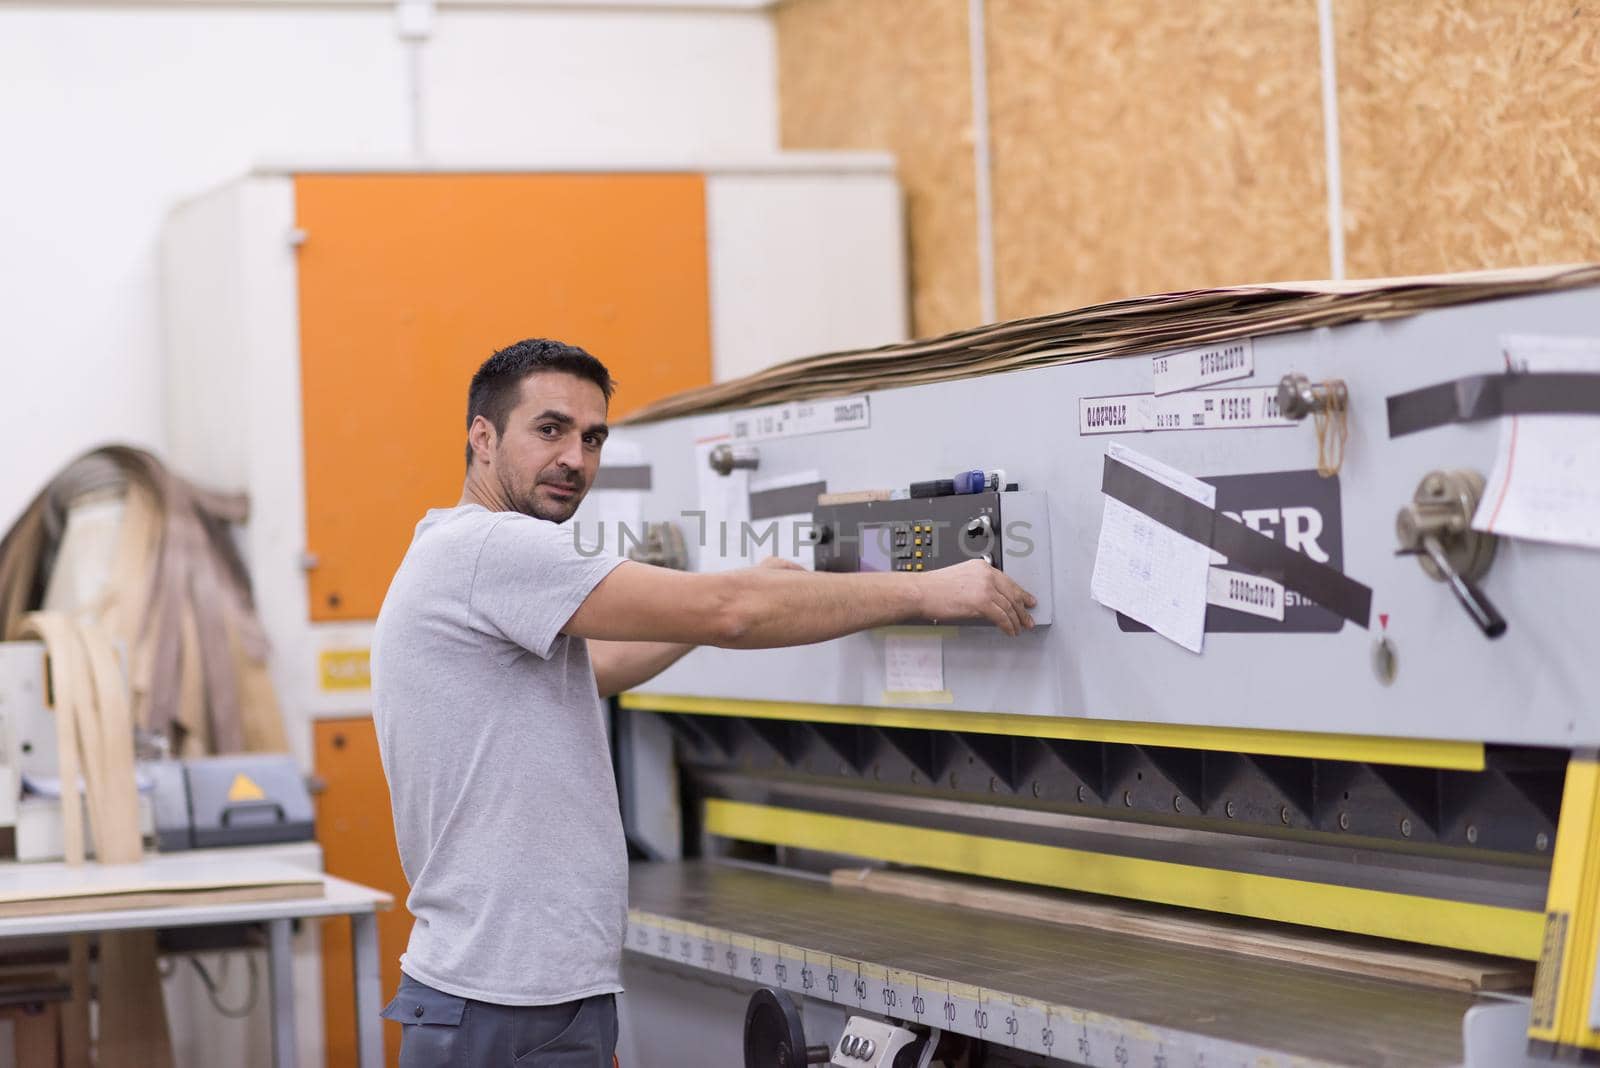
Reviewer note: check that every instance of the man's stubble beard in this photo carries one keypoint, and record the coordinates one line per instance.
(530, 505)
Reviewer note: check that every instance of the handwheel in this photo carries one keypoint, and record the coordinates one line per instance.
(774, 1036)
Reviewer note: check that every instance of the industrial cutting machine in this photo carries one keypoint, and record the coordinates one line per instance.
(1313, 686)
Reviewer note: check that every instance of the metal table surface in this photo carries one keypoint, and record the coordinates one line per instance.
(1094, 997)
(339, 898)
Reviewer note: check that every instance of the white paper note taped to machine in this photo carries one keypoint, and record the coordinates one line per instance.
(1171, 372)
(1545, 485)
(913, 664)
(1149, 571)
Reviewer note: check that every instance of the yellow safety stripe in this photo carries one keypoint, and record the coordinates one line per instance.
(1362, 748)
(1562, 986)
(1476, 928)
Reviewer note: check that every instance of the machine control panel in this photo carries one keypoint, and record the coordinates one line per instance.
(899, 546)
(1007, 530)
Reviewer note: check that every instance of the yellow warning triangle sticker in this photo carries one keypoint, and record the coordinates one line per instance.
(244, 788)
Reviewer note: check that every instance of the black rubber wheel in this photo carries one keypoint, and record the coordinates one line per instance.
(773, 1034)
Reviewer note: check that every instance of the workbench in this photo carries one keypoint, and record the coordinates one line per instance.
(339, 898)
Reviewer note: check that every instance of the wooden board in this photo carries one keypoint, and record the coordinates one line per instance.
(65, 682)
(75, 1013)
(1145, 145)
(1368, 957)
(159, 899)
(109, 733)
(133, 1016)
(174, 873)
(1470, 136)
(893, 75)
(37, 1034)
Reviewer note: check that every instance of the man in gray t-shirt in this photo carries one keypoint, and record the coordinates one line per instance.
(492, 653)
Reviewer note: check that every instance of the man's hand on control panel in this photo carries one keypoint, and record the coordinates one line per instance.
(975, 590)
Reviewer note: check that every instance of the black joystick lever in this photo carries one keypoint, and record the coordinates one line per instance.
(1436, 528)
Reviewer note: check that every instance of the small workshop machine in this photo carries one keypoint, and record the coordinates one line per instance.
(196, 803)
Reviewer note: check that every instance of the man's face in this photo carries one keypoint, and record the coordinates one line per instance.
(548, 455)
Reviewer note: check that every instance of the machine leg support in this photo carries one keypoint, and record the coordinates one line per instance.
(1565, 1021)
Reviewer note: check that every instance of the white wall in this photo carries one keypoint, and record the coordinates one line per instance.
(804, 263)
(111, 113)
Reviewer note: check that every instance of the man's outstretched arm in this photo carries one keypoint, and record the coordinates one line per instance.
(760, 608)
(620, 666)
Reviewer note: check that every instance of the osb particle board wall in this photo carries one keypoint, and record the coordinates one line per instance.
(1471, 133)
(893, 74)
(1144, 145)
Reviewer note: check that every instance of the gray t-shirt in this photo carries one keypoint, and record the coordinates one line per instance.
(493, 738)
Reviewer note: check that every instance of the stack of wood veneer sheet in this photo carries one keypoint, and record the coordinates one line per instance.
(164, 882)
(1119, 328)
(128, 575)
(121, 541)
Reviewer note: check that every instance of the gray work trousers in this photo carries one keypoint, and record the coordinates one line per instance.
(445, 1031)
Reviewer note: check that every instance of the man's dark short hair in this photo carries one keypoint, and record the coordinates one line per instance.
(497, 386)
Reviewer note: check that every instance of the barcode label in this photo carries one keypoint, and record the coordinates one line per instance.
(1173, 372)
(1245, 593)
(1206, 409)
(801, 417)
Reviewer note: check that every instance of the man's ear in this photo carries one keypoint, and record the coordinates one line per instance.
(481, 435)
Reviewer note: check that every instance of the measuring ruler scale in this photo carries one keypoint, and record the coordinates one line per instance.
(1088, 1038)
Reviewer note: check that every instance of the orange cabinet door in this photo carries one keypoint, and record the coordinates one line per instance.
(356, 832)
(407, 282)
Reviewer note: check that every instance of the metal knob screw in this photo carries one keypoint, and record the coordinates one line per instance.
(1299, 397)
(725, 459)
(1436, 527)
